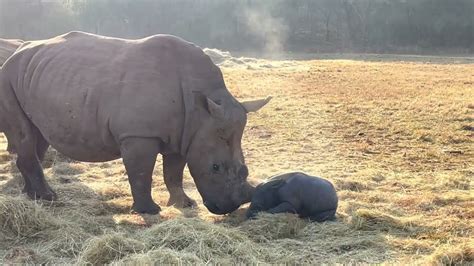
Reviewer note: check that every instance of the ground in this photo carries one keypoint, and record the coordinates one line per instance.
(396, 139)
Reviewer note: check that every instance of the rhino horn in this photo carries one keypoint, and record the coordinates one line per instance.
(254, 106)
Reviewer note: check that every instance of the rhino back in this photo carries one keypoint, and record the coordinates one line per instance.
(86, 93)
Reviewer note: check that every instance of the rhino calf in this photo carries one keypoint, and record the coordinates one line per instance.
(310, 197)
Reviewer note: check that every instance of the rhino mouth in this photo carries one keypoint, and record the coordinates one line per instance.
(217, 210)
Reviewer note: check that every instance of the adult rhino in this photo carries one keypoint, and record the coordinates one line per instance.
(7, 48)
(95, 99)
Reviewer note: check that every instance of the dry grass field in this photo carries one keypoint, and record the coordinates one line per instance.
(396, 138)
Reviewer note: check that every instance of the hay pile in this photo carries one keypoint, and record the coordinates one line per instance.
(225, 59)
(23, 221)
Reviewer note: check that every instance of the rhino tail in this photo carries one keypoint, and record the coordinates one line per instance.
(329, 215)
(7, 48)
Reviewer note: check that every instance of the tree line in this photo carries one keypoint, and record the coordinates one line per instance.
(318, 26)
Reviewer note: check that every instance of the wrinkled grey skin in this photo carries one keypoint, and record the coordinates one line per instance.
(308, 196)
(7, 48)
(96, 99)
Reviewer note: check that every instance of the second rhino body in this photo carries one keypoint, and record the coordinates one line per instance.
(310, 197)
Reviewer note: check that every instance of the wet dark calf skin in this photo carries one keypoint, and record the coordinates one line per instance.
(308, 196)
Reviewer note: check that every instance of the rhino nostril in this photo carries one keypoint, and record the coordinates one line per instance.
(243, 171)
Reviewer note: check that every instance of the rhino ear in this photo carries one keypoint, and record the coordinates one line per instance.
(216, 110)
(254, 106)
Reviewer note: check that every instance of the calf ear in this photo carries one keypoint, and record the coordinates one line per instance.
(276, 184)
(254, 106)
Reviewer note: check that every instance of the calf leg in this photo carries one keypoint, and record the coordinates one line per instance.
(324, 216)
(139, 156)
(29, 165)
(282, 208)
(173, 167)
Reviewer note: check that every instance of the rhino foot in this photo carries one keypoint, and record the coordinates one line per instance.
(148, 208)
(41, 194)
(182, 202)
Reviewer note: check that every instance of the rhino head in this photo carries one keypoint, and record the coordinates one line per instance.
(214, 156)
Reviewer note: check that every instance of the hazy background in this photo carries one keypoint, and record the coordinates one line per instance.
(270, 26)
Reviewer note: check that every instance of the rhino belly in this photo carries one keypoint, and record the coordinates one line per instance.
(75, 127)
(87, 154)
(72, 141)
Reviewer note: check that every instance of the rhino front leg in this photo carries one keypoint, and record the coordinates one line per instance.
(139, 156)
(173, 167)
(29, 165)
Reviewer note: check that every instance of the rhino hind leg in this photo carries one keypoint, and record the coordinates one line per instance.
(41, 147)
(139, 157)
(173, 167)
(29, 165)
(11, 148)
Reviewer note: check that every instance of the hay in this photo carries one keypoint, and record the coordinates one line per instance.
(162, 256)
(217, 56)
(453, 255)
(365, 219)
(225, 59)
(209, 242)
(108, 248)
(65, 168)
(19, 255)
(273, 226)
(66, 241)
(23, 218)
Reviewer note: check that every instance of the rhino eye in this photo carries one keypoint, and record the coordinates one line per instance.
(215, 167)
